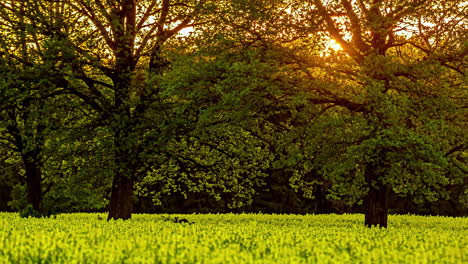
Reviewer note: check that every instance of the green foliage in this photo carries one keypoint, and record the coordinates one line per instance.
(405, 160)
(18, 197)
(250, 101)
(29, 211)
(60, 198)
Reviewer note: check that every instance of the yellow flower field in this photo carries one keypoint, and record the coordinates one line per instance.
(231, 238)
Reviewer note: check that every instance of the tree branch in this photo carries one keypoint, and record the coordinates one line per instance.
(89, 12)
(355, 27)
(337, 34)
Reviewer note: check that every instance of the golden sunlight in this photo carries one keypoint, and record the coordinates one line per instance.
(332, 45)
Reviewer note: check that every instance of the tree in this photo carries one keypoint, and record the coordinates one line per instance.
(238, 82)
(118, 38)
(28, 88)
(42, 119)
(135, 41)
(398, 86)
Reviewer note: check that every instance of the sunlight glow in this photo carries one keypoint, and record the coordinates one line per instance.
(333, 45)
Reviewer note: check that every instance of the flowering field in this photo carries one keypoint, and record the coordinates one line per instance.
(229, 238)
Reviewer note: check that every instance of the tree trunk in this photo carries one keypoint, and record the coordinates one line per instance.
(376, 211)
(33, 184)
(122, 125)
(121, 202)
(125, 156)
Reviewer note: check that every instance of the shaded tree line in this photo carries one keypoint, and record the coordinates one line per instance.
(215, 106)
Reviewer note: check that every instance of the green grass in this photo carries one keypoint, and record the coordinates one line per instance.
(229, 238)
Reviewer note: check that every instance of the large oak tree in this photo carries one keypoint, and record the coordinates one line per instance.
(403, 63)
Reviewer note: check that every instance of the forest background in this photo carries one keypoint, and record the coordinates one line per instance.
(278, 106)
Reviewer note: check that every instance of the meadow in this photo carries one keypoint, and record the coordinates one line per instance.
(232, 238)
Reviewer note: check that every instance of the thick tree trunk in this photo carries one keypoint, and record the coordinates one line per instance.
(33, 184)
(121, 202)
(122, 125)
(376, 211)
(376, 208)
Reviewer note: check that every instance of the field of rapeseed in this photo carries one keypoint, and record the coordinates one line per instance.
(229, 238)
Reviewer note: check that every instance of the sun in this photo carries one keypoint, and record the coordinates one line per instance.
(333, 45)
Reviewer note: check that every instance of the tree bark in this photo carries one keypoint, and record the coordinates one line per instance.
(33, 184)
(121, 202)
(376, 206)
(123, 124)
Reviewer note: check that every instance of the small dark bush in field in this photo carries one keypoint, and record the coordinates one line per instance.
(29, 211)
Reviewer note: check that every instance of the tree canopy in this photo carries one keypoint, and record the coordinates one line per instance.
(234, 105)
